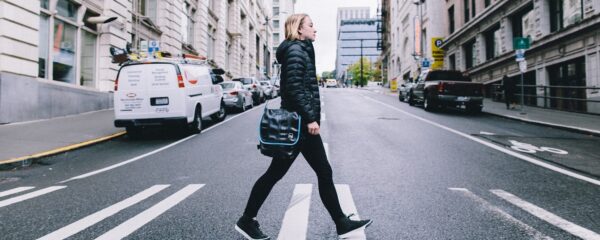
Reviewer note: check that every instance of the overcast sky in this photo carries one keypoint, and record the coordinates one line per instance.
(324, 16)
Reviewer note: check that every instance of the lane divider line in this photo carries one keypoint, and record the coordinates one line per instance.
(496, 147)
(98, 216)
(348, 206)
(14, 191)
(133, 224)
(532, 232)
(30, 195)
(62, 149)
(295, 220)
(549, 217)
(89, 174)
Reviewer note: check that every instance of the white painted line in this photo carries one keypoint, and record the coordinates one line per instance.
(15, 190)
(30, 195)
(496, 147)
(149, 153)
(486, 133)
(348, 206)
(327, 151)
(323, 118)
(295, 220)
(131, 225)
(547, 216)
(96, 217)
(532, 232)
(547, 123)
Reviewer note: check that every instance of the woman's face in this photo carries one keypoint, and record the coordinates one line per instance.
(307, 31)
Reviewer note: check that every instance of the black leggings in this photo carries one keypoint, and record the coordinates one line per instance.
(313, 151)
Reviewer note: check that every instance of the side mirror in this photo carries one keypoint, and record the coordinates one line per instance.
(216, 79)
(218, 71)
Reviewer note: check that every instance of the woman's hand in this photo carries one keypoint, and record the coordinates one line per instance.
(313, 128)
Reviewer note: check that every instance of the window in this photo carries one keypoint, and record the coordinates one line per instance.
(275, 11)
(228, 57)
(466, 6)
(88, 59)
(473, 8)
(451, 19)
(492, 42)
(470, 55)
(452, 62)
(210, 52)
(43, 46)
(188, 24)
(522, 22)
(64, 52)
(256, 57)
(276, 38)
(140, 7)
(564, 13)
(67, 9)
(276, 24)
(44, 4)
(487, 3)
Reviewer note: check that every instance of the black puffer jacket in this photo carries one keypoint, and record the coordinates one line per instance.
(299, 86)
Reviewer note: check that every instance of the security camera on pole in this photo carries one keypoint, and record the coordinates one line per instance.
(520, 45)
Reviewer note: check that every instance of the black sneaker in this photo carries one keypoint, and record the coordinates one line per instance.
(250, 229)
(347, 227)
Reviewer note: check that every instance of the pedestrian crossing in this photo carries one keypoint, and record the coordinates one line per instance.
(294, 225)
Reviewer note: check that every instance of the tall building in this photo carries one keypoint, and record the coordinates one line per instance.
(282, 9)
(562, 61)
(410, 28)
(347, 13)
(356, 38)
(72, 70)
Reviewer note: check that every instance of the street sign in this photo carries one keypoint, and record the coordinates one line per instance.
(153, 46)
(520, 54)
(143, 45)
(426, 63)
(521, 43)
(523, 66)
(437, 53)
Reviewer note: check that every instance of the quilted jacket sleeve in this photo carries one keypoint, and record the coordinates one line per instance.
(300, 96)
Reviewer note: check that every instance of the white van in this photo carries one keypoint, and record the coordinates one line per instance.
(161, 93)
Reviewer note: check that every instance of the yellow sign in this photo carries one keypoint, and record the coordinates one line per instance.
(394, 85)
(437, 53)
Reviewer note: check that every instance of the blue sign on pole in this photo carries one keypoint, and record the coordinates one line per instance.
(153, 46)
(426, 63)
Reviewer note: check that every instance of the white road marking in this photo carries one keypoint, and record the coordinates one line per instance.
(150, 153)
(496, 147)
(323, 118)
(532, 232)
(547, 216)
(30, 195)
(327, 151)
(15, 190)
(347, 204)
(486, 133)
(96, 217)
(131, 225)
(295, 220)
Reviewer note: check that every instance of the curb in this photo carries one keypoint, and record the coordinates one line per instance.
(62, 149)
(564, 127)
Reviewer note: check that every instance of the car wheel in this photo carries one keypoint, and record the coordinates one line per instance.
(428, 105)
(400, 97)
(243, 108)
(410, 100)
(221, 114)
(196, 125)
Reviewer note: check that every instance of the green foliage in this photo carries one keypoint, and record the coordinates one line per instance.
(359, 79)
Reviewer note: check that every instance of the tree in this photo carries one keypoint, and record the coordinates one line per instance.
(377, 71)
(357, 77)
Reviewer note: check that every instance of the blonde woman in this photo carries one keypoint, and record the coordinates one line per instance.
(299, 93)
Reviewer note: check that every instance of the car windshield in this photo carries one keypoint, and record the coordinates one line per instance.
(447, 75)
(228, 85)
(244, 81)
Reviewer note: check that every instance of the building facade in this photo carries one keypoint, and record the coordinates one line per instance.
(563, 61)
(409, 29)
(55, 61)
(282, 9)
(347, 13)
(356, 38)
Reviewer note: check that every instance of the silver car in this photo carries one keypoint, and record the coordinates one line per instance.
(269, 89)
(236, 96)
(252, 85)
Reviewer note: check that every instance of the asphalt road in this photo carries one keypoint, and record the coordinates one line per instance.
(418, 175)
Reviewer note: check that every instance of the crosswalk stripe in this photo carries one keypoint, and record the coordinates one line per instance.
(295, 220)
(131, 225)
(323, 117)
(534, 233)
(326, 146)
(96, 217)
(30, 195)
(348, 206)
(547, 216)
(13, 191)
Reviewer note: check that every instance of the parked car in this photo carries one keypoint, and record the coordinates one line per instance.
(236, 96)
(268, 89)
(404, 89)
(447, 88)
(275, 83)
(252, 85)
(331, 83)
(167, 92)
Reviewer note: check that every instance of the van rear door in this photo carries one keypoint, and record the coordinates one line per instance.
(149, 90)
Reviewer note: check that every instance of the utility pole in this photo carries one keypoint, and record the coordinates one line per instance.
(361, 62)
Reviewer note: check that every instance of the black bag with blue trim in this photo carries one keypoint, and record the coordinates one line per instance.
(279, 133)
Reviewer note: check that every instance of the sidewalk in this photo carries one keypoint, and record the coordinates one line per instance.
(28, 140)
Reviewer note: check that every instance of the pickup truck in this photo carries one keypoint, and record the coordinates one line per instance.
(438, 89)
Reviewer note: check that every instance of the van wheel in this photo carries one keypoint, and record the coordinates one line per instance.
(220, 115)
(196, 125)
(133, 132)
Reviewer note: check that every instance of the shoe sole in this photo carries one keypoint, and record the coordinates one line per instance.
(248, 236)
(353, 232)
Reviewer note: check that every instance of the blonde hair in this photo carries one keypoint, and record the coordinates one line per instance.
(293, 24)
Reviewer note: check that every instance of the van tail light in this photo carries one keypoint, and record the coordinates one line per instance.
(116, 84)
(233, 93)
(180, 81)
(440, 87)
